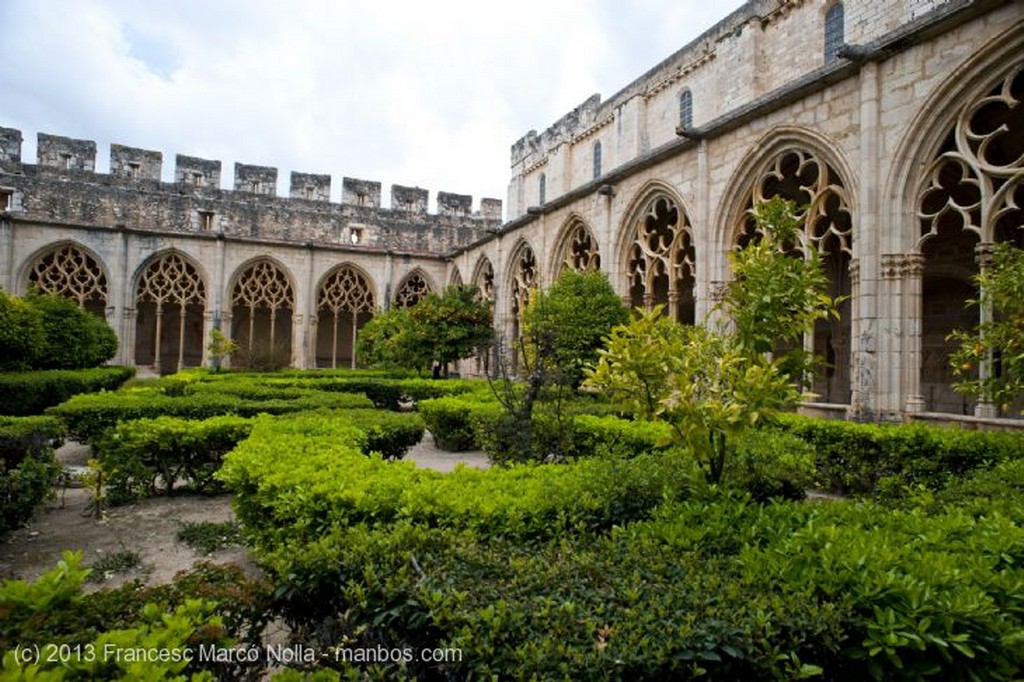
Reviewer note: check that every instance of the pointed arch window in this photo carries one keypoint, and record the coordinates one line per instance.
(262, 302)
(413, 290)
(542, 189)
(597, 159)
(661, 260)
(345, 303)
(834, 32)
(170, 303)
(70, 272)
(581, 251)
(686, 109)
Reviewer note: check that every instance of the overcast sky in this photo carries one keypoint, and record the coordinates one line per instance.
(427, 93)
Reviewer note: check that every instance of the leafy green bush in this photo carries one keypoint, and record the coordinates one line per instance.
(624, 437)
(88, 416)
(387, 433)
(866, 458)
(27, 393)
(52, 612)
(322, 456)
(771, 464)
(140, 454)
(21, 333)
(72, 337)
(28, 468)
(448, 420)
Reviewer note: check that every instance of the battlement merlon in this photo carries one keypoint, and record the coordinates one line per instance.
(256, 179)
(135, 164)
(410, 199)
(355, 192)
(10, 149)
(189, 170)
(65, 153)
(310, 186)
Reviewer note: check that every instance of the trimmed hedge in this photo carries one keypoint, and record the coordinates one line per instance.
(882, 459)
(320, 455)
(29, 393)
(28, 468)
(88, 416)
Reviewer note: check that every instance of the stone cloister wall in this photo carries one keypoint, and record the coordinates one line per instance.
(920, 112)
(899, 128)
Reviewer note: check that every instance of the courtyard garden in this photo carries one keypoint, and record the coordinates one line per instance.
(655, 509)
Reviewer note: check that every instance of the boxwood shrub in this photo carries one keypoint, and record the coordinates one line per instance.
(28, 468)
(28, 393)
(867, 459)
(88, 416)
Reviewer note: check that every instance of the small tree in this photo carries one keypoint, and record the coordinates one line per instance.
(698, 380)
(998, 342)
(710, 384)
(455, 324)
(21, 333)
(220, 347)
(385, 342)
(573, 317)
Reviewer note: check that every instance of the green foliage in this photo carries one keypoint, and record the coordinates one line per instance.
(770, 464)
(623, 437)
(385, 342)
(778, 290)
(140, 454)
(455, 324)
(52, 612)
(28, 468)
(220, 347)
(108, 565)
(72, 337)
(449, 421)
(441, 329)
(871, 459)
(388, 434)
(88, 416)
(572, 317)
(27, 393)
(997, 343)
(695, 379)
(21, 333)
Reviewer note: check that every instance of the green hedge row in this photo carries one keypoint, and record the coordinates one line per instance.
(28, 393)
(883, 459)
(142, 457)
(28, 468)
(88, 416)
(320, 455)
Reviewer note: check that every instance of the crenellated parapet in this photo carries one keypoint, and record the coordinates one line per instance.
(63, 187)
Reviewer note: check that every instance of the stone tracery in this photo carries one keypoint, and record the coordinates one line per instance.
(344, 304)
(971, 195)
(170, 300)
(413, 290)
(262, 302)
(580, 251)
(70, 272)
(661, 260)
(823, 208)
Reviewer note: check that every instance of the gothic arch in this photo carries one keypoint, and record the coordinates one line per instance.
(522, 278)
(658, 250)
(69, 269)
(169, 295)
(455, 277)
(413, 288)
(483, 278)
(262, 300)
(345, 302)
(965, 192)
(801, 166)
(576, 248)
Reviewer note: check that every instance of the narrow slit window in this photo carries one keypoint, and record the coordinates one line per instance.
(834, 32)
(542, 187)
(597, 160)
(686, 109)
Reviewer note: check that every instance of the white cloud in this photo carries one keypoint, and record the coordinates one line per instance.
(415, 93)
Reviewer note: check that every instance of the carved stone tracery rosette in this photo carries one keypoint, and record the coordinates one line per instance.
(661, 258)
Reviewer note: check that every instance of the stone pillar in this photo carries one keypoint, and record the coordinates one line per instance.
(983, 256)
(121, 301)
(912, 275)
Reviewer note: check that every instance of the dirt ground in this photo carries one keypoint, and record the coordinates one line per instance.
(148, 527)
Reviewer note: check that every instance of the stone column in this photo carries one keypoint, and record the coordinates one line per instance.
(912, 275)
(983, 256)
